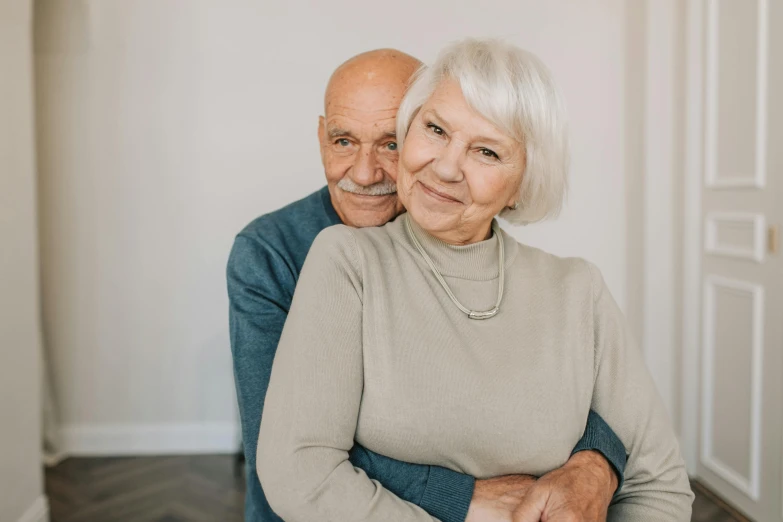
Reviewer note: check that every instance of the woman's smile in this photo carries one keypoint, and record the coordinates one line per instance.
(437, 195)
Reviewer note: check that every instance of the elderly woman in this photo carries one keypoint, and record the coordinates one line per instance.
(439, 339)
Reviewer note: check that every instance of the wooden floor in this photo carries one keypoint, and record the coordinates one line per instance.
(155, 489)
(201, 488)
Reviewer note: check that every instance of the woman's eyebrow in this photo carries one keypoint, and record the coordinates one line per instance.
(485, 139)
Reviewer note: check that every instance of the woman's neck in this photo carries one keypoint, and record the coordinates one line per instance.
(477, 260)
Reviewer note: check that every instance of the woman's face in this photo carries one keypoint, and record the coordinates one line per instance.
(457, 170)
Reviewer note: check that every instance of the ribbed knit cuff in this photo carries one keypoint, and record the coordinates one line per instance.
(600, 437)
(447, 494)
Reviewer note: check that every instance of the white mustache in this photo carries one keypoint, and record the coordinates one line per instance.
(383, 188)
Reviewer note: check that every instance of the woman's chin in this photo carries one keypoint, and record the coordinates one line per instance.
(431, 221)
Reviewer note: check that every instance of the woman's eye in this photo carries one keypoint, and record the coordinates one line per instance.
(343, 142)
(488, 153)
(437, 130)
(392, 145)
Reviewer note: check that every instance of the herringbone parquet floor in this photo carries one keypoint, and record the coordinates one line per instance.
(199, 488)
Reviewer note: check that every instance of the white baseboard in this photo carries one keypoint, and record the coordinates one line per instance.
(149, 439)
(51, 460)
(38, 511)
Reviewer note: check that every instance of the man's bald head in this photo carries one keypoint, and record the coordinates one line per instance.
(357, 135)
(385, 69)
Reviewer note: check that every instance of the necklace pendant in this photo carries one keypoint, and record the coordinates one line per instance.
(483, 315)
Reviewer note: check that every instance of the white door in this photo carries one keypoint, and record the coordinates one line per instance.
(741, 440)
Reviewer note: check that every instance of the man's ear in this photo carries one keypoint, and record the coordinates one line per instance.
(321, 136)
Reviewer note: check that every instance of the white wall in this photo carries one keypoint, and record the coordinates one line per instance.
(165, 126)
(20, 424)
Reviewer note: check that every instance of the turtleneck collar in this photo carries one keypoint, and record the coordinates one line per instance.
(476, 261)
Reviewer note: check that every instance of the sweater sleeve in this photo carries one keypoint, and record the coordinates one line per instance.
(598, 436)
(313, 400)
(656, 484)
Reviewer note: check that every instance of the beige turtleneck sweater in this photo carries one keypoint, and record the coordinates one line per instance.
(374, 351)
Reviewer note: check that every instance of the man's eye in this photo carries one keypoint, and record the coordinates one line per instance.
(392, 145)
(437, 130)
(343, 142)
(488, 153)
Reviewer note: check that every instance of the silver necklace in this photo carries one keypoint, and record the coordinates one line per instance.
(473, 314)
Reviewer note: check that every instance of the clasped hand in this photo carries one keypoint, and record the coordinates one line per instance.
(581, 491)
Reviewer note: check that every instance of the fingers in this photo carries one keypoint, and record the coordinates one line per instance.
(531, 508)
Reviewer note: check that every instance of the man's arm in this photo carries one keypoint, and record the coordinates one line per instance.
(582, 489)
(260, 289)
(600, 438)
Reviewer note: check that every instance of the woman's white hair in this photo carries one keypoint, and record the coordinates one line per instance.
(515, 91)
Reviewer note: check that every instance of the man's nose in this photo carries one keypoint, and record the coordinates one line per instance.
(367, 171)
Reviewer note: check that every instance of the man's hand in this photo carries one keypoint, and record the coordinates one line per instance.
(579, 491)
(495, 499)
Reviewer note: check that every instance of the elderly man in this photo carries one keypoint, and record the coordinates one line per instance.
(359, 154)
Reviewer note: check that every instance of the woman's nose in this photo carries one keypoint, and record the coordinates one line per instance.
(447, 166)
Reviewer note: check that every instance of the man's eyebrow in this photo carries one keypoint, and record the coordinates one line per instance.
(339, 133)
(342, 133)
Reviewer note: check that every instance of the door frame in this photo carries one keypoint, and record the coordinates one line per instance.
(692, 234)
(671, 183)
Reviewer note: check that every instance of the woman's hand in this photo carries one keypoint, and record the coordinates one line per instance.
(495, 499)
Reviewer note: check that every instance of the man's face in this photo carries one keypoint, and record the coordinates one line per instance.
(359, 153)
